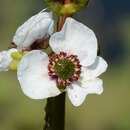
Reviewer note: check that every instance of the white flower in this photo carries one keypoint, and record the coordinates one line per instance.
(5, 59)
(75, 64)
(37, 27)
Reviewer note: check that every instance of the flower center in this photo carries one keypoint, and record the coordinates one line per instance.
(64, 69)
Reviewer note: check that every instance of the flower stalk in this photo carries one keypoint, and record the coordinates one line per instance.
(55, 113)
(62, 19)
(55, 107)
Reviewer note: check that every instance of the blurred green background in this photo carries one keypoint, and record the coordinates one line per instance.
(111, 111)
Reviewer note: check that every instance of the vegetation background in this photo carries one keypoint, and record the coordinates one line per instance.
(111, 111)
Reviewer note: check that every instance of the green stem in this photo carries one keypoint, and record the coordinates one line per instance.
(55, 113)
(55, 108)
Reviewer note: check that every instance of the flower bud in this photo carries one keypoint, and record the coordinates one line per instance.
(58, 6)
(16, 55)
(6, 59)
(13, 65)
(68, 9)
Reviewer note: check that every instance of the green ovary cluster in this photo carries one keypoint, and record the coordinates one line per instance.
(64, 69)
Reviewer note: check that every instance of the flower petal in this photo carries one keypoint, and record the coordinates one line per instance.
(37, 27)
(96, 69)
(33, 76)
(77, 39)
(94, 86)
(76, 94)
(5, 59)
(10, 51)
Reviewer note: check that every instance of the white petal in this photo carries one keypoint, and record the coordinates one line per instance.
(77, 39)
(10, 51)
(96, 69)
(94, 86)
(37, 27)
(76, 94)
(5, 59)
(33, 76)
